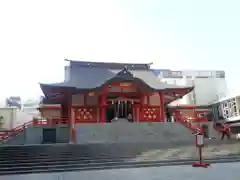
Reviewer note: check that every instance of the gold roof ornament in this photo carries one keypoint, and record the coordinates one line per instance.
(91, 94)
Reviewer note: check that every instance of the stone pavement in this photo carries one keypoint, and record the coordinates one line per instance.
(220, 171)
(210, 151)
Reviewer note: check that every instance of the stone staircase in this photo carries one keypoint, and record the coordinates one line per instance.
(27, 159)
(50, 158)
(56, 158)
(125, 132)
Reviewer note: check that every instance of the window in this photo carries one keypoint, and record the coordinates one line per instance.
(220, 113)
(169, 74)
(176, 73)
(225, 104)
(1, 121)
(205, 74)
(220, 74)
(225, 113)
(235, 109)
(230, 108)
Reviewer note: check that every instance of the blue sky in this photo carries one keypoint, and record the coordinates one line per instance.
(36, 36)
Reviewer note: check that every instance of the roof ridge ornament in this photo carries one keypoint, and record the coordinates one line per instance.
(124, 72)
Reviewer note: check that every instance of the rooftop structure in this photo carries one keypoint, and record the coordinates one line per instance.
(209, 86)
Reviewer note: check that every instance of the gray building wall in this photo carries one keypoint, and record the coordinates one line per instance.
(118, 132)
(34, 135)
(67, 73)
(209, 90)
(125, 132)
(209, 85)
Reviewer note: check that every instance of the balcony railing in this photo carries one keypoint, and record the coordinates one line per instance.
(190, 124)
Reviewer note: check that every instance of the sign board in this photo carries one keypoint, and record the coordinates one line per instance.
(91, 94)
(125, 85)
(199, 140)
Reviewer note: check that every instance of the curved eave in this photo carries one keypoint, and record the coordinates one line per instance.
(189, 89)
(139, 82)
(116, 79)
(180, 91)
(48, 89)
(185, 90)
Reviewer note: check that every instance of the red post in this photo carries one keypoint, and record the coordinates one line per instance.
(141, 113)
(73, 129)
(103, 105)
(71, 120)
(195, 114)
(137, 112)
(199, 141)
(148, 99)
(134, 111)
(162, 107)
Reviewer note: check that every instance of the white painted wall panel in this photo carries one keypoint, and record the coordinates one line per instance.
(206, 91)
(67, 73)
(8, 118)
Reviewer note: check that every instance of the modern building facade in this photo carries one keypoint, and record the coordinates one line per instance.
(209, 86)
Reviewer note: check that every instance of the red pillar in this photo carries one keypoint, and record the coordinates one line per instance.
(71, 119)
(103, 104)
(137, 112)
(195, 114)
(73, 131)
(148, 99)
(133, 112)
(69, 106)
(140, 107)
(162, 108)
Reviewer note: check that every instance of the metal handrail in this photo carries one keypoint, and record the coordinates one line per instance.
(34, 122)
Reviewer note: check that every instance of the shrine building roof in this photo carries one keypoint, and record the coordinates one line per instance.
(89, 76)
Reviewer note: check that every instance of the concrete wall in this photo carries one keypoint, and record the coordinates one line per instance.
(206, 91)
(124, 132)
(13, 117)
(187, 99)
(209, 90)
(33, 135)
(211, 131)
(118, 132)
(67, 74)
(9, 116)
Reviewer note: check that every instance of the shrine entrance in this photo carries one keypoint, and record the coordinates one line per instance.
(120, 108)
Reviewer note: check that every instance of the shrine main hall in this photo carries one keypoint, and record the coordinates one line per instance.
(98, 92)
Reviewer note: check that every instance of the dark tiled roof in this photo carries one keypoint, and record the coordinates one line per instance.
(111, 65)
(87, 77)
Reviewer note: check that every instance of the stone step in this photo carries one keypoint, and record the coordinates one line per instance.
(21, 159)
(132, 133)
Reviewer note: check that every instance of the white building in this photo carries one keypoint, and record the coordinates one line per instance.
(227, 108)
(210, 86)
